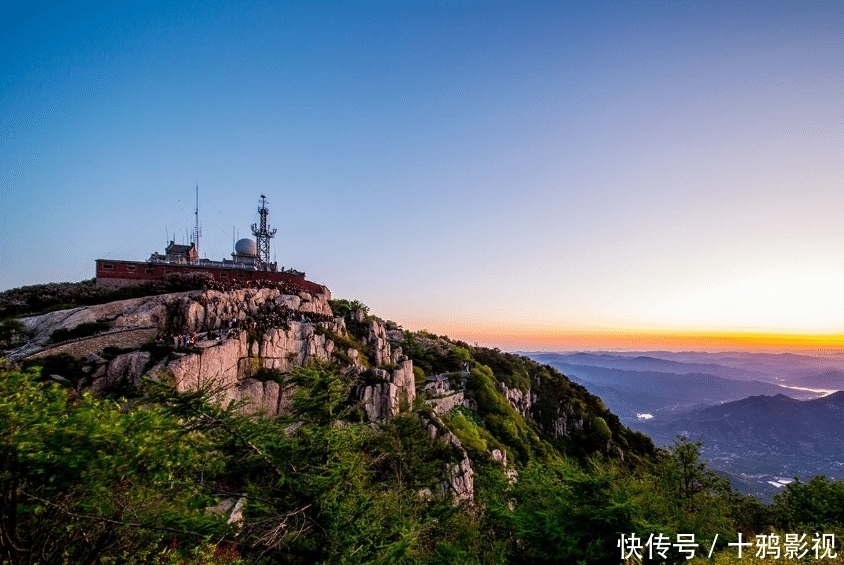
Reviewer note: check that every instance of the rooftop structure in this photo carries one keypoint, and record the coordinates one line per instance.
(250, 261)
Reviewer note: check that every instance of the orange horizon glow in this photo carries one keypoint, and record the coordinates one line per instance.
(633, 340)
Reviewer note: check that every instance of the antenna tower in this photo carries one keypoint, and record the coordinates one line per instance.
(263, 235)
(197, 231)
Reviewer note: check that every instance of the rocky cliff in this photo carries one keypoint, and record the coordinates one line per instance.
(240, 333)
(242, 345)
(171, 314)
(383, 400)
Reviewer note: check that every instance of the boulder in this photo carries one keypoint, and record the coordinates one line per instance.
(127, 368)
(217, 367)
(283, 349)
(378, 339)
(384, 400)
(251, 393)
(269, 403)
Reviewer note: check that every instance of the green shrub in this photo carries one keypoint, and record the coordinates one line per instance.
(601, 429)
(341, 307)
(12, 333)
(418, 376)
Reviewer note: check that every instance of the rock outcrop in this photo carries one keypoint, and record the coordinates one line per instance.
(520, 400)
(213, 309)
(225, 367)
(459, 476)
(216, 366)
(283, 349)
(180, 312)
(382, 401)
(127, 367)
(379, 340)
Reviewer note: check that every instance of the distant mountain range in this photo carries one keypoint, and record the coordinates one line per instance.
(763, 417)
(632, 386)
(761, 438)
(650, 363)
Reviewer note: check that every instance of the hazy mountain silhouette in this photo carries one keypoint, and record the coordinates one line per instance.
(633, 392)
(760, 438)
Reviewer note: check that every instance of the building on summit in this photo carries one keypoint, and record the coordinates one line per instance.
(250, 261)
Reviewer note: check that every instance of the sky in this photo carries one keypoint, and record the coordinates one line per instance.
(545, 175)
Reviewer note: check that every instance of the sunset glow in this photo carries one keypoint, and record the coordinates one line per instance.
(631, 340)
(531, 175)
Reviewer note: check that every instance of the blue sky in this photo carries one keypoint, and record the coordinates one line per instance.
(479, 168)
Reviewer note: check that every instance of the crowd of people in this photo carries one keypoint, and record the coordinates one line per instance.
(226, 286)
(270, 315)
(186, 340)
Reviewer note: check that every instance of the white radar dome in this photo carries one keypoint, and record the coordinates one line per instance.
(246, 247)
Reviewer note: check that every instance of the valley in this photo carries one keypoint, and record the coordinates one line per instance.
(763, 418)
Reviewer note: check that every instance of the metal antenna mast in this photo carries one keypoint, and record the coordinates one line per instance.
(197, 231)
(263, 234)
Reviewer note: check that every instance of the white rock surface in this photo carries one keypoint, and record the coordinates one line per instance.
(384, 400)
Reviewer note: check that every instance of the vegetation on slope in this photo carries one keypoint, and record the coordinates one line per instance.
(157, 477)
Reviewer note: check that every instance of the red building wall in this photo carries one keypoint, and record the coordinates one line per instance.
(124, 273)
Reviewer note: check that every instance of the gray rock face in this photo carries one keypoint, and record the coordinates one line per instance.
(267, 399)
(461, 480)
(217, 367)
(403, 378)
(337, 326)
(212, 309)
(175, 313)
(252, 392)
(225, 367)
(380, 401)
(121, 315)
(384, 400)
(378, 339)
(560, 427)
(127, 368)
(521, 401)
(398, 356)
(294, 347)
(459, 477)
(395, 336)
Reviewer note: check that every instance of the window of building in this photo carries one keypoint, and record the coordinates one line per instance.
(166, 272)
(240, 275)
(148, 271)
(223, 275)
(108, 266)
(130, 267)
